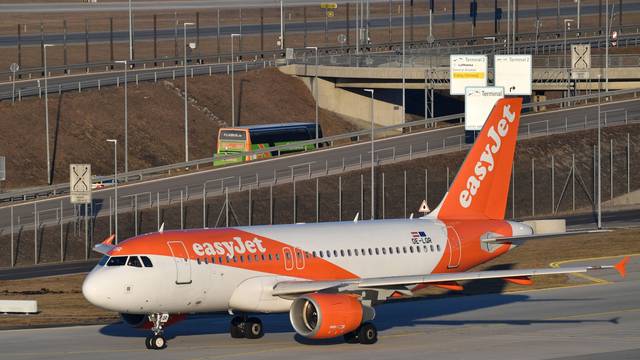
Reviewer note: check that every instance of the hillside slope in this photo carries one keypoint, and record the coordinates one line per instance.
(80, 123)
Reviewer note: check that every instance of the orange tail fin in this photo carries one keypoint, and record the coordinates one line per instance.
(481, 187)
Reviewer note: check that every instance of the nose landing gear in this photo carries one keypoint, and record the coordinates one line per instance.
(244, 327)
(157, 340)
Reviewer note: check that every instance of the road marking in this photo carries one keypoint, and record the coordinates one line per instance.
(593, 279)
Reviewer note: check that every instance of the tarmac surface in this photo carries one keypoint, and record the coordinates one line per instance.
(595, 321)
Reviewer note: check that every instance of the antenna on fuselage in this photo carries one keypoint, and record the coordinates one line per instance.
(161, 229)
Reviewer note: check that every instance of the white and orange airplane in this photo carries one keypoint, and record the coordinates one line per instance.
(328, 276)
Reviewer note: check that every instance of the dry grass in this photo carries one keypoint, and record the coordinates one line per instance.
(60, 299)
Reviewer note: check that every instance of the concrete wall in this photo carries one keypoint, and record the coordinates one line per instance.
(350, 104)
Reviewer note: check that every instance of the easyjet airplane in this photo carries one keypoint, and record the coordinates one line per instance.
(328, 276)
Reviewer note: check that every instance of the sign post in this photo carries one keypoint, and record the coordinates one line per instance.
(580, 61)
(14, 69)
(514, 73)
(467, 70)
(80, 183)
(478, 103)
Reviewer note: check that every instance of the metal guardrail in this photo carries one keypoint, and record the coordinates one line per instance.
(451, 44)
(138, 175)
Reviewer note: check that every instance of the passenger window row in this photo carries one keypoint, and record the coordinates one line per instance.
(391, 250)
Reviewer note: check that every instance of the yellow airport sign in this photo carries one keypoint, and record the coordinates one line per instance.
(328, 6)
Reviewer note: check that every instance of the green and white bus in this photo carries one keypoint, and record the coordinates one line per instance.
(254, 137)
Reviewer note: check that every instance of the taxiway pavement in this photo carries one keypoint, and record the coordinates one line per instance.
(599, 321)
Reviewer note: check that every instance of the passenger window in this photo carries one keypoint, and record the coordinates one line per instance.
(262, 256)
(418, 248)
(431, 248)
(117, 261)
(321, 254)
(384, 251)
(438, 247)
(335, 253)
(198, 260)
(370, 251)
(397, 249)
(103, 260)
(404, 249)
(426, 248)
(349, 252)
(314, 253)
(241, 258)
(146, 261)
(342, 253)
(248, 258)
(206, 261)
(390, 250)
(213, 259)
(411, 249)
(355, 251)
(277, 257)
(256, 257)
(328, 253)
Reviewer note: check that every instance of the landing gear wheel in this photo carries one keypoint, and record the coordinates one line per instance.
(367, 334)
(351, 337)
(253, 328)
(236, 330)
(156, 342)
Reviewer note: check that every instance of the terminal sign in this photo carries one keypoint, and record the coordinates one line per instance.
(466, 70)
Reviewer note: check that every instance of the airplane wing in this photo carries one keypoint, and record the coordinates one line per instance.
(497, 239)
(521, 276)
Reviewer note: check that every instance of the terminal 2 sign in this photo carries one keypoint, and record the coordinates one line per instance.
(466, 70)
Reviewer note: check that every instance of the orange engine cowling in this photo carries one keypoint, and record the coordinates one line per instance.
(323, 316)
(141, 321)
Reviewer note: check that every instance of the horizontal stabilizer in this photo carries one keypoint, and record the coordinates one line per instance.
(517, 240)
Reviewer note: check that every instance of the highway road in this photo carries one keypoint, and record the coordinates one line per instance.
(299, 165)
(335, 24)
(599, 321)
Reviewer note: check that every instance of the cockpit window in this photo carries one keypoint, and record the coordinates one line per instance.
(134, 261)
(117, 261)
(147, 262)
(103, 260)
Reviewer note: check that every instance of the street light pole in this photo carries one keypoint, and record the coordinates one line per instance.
(115, 184)
(186, 112)
(126, 116)
(599, 165)
(564, 54)
(606, 48)
(372, 156)
(281, 25)
(46, 113)
(315, 88)
(403, 73)
(233, 91)
(130, 33)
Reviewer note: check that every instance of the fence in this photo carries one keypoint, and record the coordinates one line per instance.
(40, 232)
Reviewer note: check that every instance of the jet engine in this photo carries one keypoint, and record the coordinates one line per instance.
(324, 316)
(141, 321)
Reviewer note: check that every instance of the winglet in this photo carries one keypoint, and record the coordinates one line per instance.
(109, 240)
(621, 266)
(161, 229)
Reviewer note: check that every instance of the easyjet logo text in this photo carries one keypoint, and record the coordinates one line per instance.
(486, 163)
(229, 248)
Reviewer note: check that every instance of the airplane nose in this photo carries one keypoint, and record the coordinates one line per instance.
(93, 292)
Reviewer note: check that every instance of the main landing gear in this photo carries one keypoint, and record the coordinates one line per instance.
(157, 340)
(365, 334)
(246, 327)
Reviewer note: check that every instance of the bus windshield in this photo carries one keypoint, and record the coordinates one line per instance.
(232, 141)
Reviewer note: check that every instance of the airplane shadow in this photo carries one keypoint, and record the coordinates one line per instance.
(409, 313)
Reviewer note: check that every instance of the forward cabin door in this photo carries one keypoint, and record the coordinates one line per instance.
(182, 261)
(455, 247)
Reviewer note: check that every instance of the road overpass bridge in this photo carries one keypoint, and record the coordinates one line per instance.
(341, 79)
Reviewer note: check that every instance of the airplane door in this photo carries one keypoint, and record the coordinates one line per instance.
(181, 259)
(288, 258)
(455, 247)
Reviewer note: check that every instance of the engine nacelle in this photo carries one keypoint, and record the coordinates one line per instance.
(141, 321)
(324, 316)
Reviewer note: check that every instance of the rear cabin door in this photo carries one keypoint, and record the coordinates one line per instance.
(182, 261)
(455, 247)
